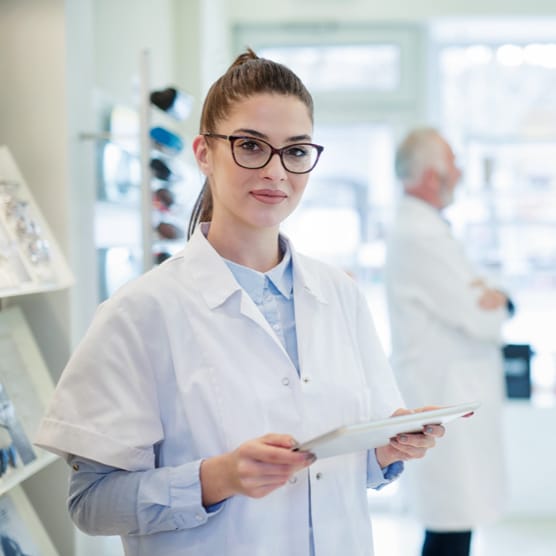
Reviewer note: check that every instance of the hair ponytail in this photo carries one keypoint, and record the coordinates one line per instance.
(248, 75)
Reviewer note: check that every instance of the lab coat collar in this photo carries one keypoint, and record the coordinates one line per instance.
(217, 281)
(306, 276)
(430, 218)
(254, 282)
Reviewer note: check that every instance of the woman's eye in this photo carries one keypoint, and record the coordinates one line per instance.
(297, 152)
(249, 145)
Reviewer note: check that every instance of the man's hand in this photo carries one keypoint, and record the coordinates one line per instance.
(490, 299)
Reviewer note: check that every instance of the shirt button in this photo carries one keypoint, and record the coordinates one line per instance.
(318, 476)
(285, 381)
(199, 517)
(276, 326)
(75, 467)
(306, 379)
(292, 480)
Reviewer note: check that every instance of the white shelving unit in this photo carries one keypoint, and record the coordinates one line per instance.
(30, 262)
(30, 259)
(126, 234)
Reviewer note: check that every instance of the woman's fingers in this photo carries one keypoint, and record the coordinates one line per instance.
(412, 446)
(266, 463)
(435, 430)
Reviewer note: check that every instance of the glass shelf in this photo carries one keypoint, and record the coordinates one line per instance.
(16, 476)
(30, 259)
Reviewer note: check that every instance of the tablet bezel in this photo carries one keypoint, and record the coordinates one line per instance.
(372, 434)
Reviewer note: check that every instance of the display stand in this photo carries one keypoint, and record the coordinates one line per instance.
(21, 531)
(145, 148)
(141, 204)
(165, 203)
(30, 259)
(30, 262)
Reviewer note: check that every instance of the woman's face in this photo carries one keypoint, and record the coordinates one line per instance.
(262, 198)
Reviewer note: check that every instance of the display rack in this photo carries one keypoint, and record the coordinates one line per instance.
(165, 203)
(21, 531)
(30, 262)
(145, 149)
(141, 209)
(26, 388)
(30, 259)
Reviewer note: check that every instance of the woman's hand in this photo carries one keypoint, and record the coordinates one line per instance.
(254, 469)
(408, 446)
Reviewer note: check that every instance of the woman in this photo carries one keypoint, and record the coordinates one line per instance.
(180, 407)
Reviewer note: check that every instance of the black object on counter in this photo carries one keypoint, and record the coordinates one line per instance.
(517, 368)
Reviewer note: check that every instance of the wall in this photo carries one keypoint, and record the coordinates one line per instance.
(394, 10)
(33, 116)
(34, 126)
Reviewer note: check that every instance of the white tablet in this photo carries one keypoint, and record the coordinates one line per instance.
(372, 434)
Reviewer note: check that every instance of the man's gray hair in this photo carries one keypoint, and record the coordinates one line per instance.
(422, 148)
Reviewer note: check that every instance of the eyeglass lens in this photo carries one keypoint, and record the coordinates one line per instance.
(254, 153)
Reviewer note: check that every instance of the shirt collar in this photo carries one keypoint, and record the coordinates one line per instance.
(282, 275)
(253, 281)
(217, 283)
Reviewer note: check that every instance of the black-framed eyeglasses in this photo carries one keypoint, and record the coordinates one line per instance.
(253, 153)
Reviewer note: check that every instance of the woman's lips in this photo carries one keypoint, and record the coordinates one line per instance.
(269, 196)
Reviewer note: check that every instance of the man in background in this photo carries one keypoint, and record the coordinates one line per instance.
(446, 349)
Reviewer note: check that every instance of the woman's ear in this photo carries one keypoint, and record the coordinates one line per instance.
(201, 152)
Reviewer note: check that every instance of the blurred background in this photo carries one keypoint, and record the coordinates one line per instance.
(77, 113)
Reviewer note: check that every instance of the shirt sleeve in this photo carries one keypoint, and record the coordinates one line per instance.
(105, 500)
(378, 478)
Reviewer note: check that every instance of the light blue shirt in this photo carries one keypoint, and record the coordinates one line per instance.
(129, 503)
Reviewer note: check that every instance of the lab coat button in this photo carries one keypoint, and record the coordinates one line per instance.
(306, 379)
(285, 381)
(292, 480)
(318, 476)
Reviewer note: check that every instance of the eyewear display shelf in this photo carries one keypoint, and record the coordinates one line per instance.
(163, 196)
(143, 192)
(30, 259)
(25, 391)
(30, 262)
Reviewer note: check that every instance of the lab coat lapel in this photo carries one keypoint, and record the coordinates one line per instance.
(219, 288)
(307, 296)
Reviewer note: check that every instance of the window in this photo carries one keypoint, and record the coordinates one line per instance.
(362, 67)
(496, 105)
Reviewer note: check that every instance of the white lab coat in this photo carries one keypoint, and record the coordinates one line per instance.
(446, 350)
(182, 356)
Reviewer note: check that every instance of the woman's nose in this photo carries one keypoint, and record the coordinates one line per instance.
(275, 169)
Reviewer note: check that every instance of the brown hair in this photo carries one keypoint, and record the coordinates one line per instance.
(247, 76)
